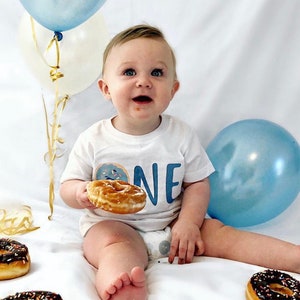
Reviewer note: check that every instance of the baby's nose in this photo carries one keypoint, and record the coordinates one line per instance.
(144, 81)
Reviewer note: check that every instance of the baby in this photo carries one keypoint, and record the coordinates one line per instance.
(160, 153)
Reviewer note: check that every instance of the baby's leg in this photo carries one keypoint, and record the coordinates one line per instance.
(228, 242)
(120, 255)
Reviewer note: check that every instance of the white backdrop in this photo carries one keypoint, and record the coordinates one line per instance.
(237, 59)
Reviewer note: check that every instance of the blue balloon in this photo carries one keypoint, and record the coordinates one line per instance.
(257, 173)
(61, 15)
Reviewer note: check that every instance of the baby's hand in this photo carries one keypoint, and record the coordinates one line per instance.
(81, 196)
(186, 242)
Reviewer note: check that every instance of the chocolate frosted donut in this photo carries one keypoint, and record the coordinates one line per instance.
(34, 295)
(14, 259)
(12, 251)
(272, 284)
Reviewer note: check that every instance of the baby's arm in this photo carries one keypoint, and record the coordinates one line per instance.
(74, 194)
(186, 236)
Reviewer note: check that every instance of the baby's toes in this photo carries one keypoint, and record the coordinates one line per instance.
(124, 277)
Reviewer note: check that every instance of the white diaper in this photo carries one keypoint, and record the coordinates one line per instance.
(157, 242)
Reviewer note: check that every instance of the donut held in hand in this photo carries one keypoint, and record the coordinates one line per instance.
(116, 196)
(272, 284)
(14, 259)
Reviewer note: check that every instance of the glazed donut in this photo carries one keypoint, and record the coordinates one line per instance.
(272, 284)
(34, 295)
(14, 259)
(116, 196)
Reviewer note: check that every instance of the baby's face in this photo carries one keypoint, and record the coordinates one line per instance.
(140, 78)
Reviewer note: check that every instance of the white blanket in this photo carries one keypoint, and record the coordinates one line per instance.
(236, 60)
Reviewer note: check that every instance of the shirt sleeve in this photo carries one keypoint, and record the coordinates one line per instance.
(197, 163)
(79, 162)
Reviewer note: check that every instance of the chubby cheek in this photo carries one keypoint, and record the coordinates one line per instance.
(117, 95)
(163, 103)
(120, 101)
(168, 96)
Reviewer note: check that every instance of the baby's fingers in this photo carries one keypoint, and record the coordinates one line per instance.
(173, 249)
(200, 248)
(190, 252)
(184, 249)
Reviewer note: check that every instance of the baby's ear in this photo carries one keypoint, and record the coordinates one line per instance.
(104, 88)
(176, 86)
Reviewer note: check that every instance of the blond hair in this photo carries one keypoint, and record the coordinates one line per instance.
(135, 32)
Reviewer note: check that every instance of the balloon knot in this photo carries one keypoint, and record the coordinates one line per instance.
(58, 35)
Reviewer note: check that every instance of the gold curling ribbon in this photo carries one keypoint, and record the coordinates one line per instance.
(54, 70)
(59, 105)
(16, 220)
(53, 139)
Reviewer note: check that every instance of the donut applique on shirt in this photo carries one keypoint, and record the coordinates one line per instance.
(111, 171)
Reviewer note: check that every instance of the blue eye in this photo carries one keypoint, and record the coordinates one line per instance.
(129, 72)
(157, 72)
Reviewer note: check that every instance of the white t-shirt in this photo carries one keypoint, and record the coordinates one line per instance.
(159, 162)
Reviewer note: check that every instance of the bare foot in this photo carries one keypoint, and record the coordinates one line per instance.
(127, 287)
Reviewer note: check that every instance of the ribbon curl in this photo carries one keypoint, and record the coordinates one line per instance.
(16, 221)
(52, 129)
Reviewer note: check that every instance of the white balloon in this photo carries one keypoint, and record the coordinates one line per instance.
(80, 51)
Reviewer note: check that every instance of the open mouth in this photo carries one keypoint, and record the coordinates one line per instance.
(142, 99)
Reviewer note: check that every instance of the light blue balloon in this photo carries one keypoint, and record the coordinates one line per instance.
(257, 173)
(61, 15)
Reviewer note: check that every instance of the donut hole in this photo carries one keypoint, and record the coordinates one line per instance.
(121, 187)
(283, 290)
